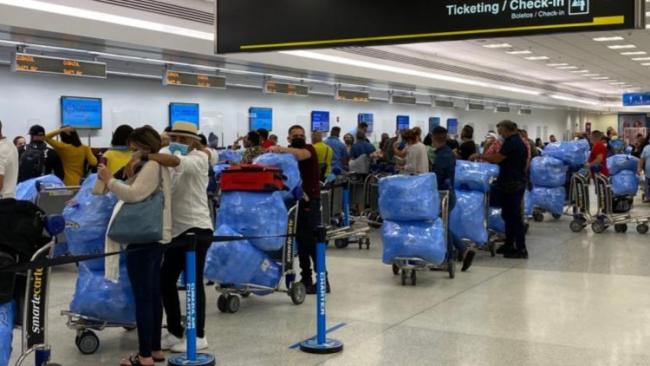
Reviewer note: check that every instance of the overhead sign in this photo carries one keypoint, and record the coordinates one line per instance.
(636, 99)
(262, 25)
(352, 95)
(192, 79)
(24, 62)
(271, 87)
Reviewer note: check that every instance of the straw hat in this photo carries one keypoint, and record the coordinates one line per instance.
(185, 129)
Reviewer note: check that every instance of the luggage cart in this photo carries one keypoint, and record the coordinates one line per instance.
(580, 201)
(53, 200)
(371, 189)
(335, 202)
(610, 210)
(408, 267)
(229, 300)
(86, 339)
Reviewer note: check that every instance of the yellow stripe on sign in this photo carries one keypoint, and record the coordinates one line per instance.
(599, 21)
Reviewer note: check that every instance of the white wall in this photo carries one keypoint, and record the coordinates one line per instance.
(26, 99)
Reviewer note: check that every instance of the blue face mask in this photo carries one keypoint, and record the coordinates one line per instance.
(179, 148)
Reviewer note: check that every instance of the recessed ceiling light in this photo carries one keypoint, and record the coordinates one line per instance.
(537, 58)
(608, 39)
(645, 64)
(641, 59)
(634, 53)
(567, 67)
(621, 46)
(618, 83)
(580, 71)
(601, 78)
(519, 52)
(591, 75)
(497, 45)
(555, 65)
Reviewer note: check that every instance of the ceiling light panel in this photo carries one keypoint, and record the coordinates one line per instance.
(621, 46)
(634, 53)
(608, 39)
(537, 58)
(567, 68)
(641, 59)
(519, 52)
(557, 64)
(497, 45)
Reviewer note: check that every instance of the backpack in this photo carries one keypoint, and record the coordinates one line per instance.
(22, 226)
(32, 163)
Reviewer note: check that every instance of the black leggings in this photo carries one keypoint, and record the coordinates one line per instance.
(309, 217)
(143, 267)
(172, 267)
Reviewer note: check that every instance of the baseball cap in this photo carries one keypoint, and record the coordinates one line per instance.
(36, 130)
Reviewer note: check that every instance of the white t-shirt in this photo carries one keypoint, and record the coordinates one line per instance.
(190, 207)
(417, 159)
(8, 168)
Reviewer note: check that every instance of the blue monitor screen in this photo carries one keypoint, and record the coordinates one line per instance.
(186, 112)
(634, 99)
(452, 126)
(82, 113)
(320, 121)
(403, 122)
(260, 118)
(433, 123)
(368, 118)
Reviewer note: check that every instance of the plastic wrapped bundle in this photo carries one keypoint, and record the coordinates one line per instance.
(267, 274)
(570, 152)
(549, 199)
(467, 219)
(26, 191)
(219, 168)
(619, 163)
(424, 240)
(7, 313)
(617, 146)
(470, 176)
(546, 171)
(495, 221)
(232, 262)
(409, 197)
(255, 214)
(528, 204)
(87, 218)
(287, 163)
(230, 156)
(101, 299)
(625, 183)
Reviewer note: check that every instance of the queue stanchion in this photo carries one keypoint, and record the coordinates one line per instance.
(191, 358)
(321, 344)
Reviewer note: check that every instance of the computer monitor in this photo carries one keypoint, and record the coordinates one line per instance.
(259, 118)
(320, 121)
(403, 123)
(367, 118)
(186, 112)
(81, 112)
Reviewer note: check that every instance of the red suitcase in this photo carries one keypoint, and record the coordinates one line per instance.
(252, 178)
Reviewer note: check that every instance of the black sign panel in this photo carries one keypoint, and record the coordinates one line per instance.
(54, 65)
(35, 317)
(192, 79)
(272, 87)
(263, 25)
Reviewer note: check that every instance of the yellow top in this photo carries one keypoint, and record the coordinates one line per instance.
(117, 159)
(73, 158)
(324, 153)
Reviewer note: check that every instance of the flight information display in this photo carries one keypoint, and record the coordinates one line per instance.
(23, 62)
(636, 99)
(185, 112)
(367, 118)
(260, 118)
(320, 121)
(192, 79)
(262, 25)
(452, 126)
(403, 123)
(81, 112)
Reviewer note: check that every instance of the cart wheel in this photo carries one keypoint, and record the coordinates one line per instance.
(233, 304)
(129, 328)
(576, 226)
(620, 228)
(598, 226)
(538, 216)
(642, 228)
(395, 269)
(451, 268)
(413, 278)
(87, 342)
(556, 216)
(246, 294)
(404, 277)
(341, 243)
(493, 250)
(298, 293)
(222, 302)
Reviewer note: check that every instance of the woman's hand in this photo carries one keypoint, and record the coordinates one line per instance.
(67, 130)
(103, 173)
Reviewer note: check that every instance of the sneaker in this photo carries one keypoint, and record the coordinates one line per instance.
(505, 248)
(169, 340)
(310, 289)
(467, 261)
(201, 344)
(516, 254)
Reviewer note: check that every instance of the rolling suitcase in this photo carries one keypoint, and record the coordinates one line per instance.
(252, 178)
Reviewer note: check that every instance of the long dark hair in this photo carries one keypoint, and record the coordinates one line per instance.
(71, 138)
(147, 138)
(121, 135)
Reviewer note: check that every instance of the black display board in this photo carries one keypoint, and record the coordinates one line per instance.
(23, 62)
(263, 25)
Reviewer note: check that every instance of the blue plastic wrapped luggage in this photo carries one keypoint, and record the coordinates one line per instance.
(619, 163)
(219, 168)
(528, 204)
(87, 218)
(617, 146)
(234, 262)
(625, 183)
(7, 313)
(549, 199)
(409, 197)
(495, 221)
(570, 152)
(267, 274)
(255, 214)
(230, 156)
(101, 299)
(547, 171)
(424, 240)
(467, 219)
(26, 191)
(287, 163)
(471, 176)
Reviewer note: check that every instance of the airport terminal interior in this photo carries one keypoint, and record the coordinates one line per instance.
(574, 76)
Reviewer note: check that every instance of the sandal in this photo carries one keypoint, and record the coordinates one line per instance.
(133, 360)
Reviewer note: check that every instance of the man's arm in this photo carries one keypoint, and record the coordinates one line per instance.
(166, 160)
(300, 154)
(495, 158)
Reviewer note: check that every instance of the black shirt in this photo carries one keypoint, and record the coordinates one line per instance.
(467, 149)
(513, 168)
(444, 167)
(310, 174)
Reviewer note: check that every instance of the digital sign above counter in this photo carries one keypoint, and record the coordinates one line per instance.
(23, 62)
(191, 79)
(636, 99)
(262, 25)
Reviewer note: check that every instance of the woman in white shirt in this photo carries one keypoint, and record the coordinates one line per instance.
(191, 215)
(417, 158)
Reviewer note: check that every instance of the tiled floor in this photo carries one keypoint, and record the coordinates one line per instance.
(581, 299)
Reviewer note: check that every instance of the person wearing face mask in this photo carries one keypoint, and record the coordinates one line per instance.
(189, 166)
(309, 209)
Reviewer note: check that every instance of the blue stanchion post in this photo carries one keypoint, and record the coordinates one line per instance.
(321, 344)
(346, 205)
(191, 357)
